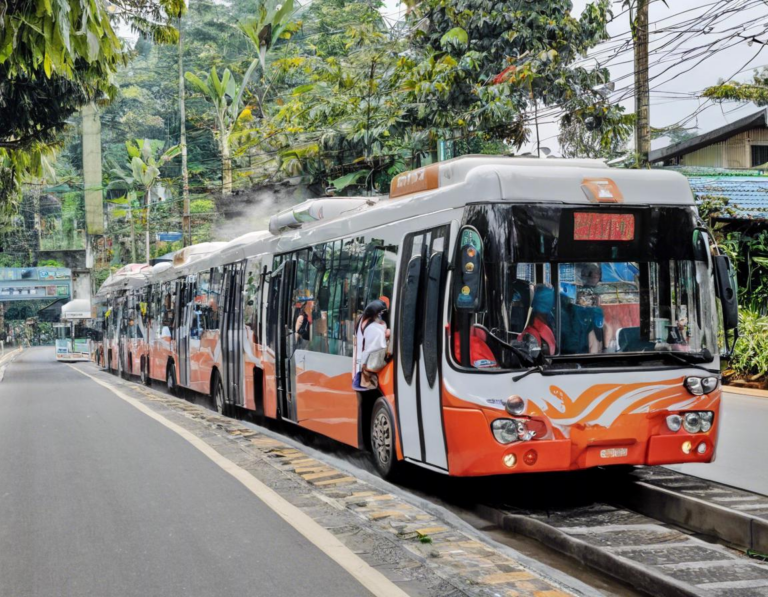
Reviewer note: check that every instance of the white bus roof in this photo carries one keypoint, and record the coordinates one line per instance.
(76, 309)
(442, 186)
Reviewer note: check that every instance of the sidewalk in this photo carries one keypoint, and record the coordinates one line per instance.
(424, 550)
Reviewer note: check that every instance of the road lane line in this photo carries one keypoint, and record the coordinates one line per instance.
(373, 580)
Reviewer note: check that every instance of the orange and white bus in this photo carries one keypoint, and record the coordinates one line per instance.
(546, 315)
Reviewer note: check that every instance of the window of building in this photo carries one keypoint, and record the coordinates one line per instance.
(759, 155)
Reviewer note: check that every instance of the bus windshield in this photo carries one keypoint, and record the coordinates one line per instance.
(573, 282)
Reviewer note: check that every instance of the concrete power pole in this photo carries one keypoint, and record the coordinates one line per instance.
(186, 225)
(93, 196)
(642, 91)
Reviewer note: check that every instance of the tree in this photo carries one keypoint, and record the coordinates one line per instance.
(756, 91)
(595, 132)
(271, 23)
(56, 55)
(142, 175)
(338, 117)
(489, 67)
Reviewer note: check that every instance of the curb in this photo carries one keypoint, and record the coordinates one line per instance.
(642, 578)
(745, 391)
(738, 529)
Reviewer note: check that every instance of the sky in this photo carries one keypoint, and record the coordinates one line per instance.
(678, 74)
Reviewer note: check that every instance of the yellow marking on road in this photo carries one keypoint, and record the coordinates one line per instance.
(373, 580)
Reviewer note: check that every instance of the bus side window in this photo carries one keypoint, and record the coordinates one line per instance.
(214, 297)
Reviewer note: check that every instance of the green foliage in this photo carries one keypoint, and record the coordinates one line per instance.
(55, 56)
(756, 91)
(486, 65)
(50, 263)
(750, 357)
(596, 131)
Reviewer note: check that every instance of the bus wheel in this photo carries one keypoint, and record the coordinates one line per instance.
(145, 379)
(170, 379)
(218, 397)
(383, 439)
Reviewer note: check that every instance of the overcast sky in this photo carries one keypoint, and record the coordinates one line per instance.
(678, 77)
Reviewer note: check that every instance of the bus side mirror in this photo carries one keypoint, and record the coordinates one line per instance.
(727, 291)
(468, 278)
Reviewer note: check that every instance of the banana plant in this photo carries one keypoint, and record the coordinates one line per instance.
(142, 175)
(271, 23)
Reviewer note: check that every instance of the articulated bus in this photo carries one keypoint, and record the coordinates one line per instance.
(546, 315)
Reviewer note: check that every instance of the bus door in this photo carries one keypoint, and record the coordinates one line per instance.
(421, 293)
(278, 332)
(232, 331)
(181, 331)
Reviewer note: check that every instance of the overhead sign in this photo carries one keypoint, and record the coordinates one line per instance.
(35, 283)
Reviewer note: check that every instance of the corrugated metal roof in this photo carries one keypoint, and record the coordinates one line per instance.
(748, 195)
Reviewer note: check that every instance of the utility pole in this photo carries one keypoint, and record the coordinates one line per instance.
(642, 91)
(185, 221)
(148, 198)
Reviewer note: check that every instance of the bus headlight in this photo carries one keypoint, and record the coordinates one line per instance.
(692, 422)
(701, 385)
(674, 422)
(505, 431)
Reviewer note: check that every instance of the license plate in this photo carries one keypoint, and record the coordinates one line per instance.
(613, 453)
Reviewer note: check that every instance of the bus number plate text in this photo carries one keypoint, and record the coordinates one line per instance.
(613, 453)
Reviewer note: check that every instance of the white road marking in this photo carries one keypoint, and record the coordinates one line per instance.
(371, 579)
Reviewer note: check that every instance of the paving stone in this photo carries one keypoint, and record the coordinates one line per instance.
(674, 555)
(715, 574)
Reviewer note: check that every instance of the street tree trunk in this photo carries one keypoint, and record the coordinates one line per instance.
(226, 167)
(133, 235)
(147, 199)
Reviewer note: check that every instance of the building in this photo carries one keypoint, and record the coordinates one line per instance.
(742, 144)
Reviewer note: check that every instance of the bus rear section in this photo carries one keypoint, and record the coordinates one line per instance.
(579, 328)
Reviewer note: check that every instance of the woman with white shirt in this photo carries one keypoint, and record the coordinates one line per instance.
(370, 335)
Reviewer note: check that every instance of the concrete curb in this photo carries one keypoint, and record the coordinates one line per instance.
(641, 577)
(735, 528)
(7, 359)
(745, 391)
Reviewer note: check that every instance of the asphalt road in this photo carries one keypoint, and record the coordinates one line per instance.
(97, 499)
(741, 459)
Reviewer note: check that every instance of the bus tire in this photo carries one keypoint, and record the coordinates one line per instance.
(383, 439)
(170, 378)
(217, 396)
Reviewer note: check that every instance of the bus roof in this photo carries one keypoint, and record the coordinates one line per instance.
(76, 309)
(442, 186)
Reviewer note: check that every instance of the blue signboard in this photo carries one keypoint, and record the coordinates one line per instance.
(169, 237)
(25, 283)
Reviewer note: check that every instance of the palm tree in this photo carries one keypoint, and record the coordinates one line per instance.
(143, 174)
(271, 23)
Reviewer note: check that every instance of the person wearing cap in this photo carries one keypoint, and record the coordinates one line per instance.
(303, 319)
(539, 327)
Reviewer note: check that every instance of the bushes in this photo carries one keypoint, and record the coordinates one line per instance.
(750, 358)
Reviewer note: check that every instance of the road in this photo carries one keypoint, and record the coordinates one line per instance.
(98, 499)
(741, 457)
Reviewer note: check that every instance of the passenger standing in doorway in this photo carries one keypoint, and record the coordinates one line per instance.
(370, 338)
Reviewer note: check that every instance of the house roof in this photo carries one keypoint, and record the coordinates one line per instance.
(747, 195)
(752, 121)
